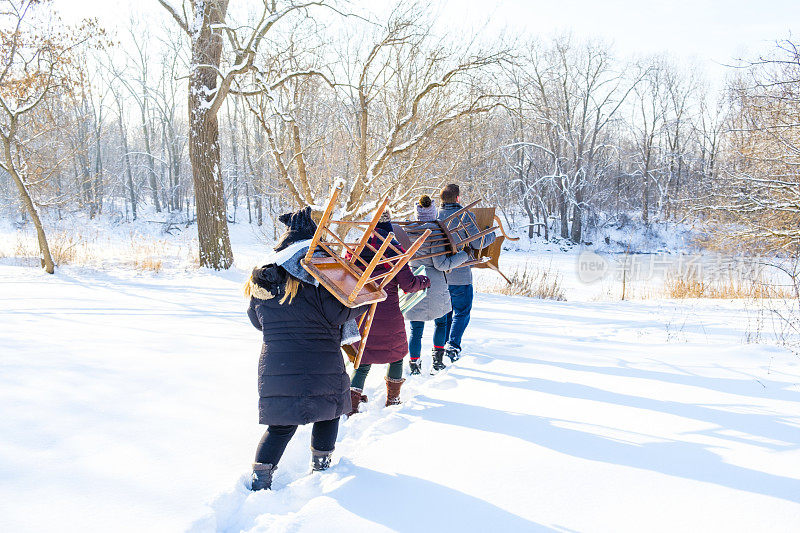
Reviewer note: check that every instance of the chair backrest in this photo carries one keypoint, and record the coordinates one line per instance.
(484, 216)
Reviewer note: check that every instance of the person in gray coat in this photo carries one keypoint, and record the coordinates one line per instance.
(436, 304)
(459, 280)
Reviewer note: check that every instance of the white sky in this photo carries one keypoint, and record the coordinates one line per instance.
(708, 32)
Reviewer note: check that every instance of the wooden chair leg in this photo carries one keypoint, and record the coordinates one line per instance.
(363, 344)
(405, 258)
(371, 227)
(371, 267)
(497, 269)
(323, 223)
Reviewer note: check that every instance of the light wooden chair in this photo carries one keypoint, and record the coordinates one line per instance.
(342, 269)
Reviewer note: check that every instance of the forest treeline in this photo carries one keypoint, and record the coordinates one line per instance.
(221, 117)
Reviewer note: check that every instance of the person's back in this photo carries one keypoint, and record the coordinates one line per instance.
(436, 303)
(386, 343)
(463, 275)
(459, 280)
(301, 337)
(301, 374)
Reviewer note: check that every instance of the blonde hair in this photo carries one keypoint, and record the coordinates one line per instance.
(292, 287)
(247, 289)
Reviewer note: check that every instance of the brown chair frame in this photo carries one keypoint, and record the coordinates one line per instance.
(451, 233)
(347, 275)
(484, 217)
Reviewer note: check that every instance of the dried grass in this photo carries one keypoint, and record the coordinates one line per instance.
(532, 282)
(65, 249)
(727, 288)
(25, 251)
(151, 264)
(147, 254)
(140, 252)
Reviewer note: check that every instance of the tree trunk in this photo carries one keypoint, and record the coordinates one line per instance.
(175, 158)
(212, 222)
(151, 171)
(98, 165)
(645, 191)
(247, 196)
(544, 219)
(577, 218)
(527, 206)
(165, 174)
(44, 249)
(82, 156)
(127, 160)
(563, 212)
(235, 156)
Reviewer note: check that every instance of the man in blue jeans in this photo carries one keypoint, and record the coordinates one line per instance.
(459, 280)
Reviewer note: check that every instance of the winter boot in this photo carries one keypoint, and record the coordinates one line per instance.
(262, 476)
(453, 352)
(320, 460)
(438, 364)
(393, 390)
(355, 399)
(415, 365)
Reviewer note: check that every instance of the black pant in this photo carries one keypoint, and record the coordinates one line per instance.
(275, 439)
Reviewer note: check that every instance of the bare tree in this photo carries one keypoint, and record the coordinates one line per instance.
(209, 85)
(37, 61)
(760, 188)
(398, 94)
(572, 95)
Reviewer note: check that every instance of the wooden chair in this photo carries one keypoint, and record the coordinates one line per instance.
(343, 270)
(484, 218)
(452, 233)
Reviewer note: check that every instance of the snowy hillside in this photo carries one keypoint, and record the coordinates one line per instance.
(129, 404)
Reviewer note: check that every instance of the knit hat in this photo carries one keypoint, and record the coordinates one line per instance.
(300, 226)
(426, 209)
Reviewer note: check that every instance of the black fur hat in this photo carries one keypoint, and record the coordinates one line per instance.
(300, 226)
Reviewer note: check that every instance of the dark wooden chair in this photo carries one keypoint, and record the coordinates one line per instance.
(451, 233)
(484, 218)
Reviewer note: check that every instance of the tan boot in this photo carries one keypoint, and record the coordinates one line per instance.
(393, 390)
(355, 399)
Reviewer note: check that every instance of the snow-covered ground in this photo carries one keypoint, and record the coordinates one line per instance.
(128, 403)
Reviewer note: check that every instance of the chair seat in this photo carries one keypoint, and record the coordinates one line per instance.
(340, 282)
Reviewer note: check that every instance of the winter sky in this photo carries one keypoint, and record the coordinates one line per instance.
(707, 32)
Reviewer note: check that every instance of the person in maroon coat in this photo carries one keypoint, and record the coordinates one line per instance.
(387, 342)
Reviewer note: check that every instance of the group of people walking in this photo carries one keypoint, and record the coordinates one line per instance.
(301, 372)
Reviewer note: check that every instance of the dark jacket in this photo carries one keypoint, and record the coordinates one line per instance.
(301, 374)
(463, 275)
(387, 342)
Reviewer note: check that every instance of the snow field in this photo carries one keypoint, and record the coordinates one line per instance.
(128, 403)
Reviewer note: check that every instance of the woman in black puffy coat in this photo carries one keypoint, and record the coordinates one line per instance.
(301, 373)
